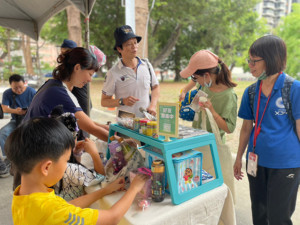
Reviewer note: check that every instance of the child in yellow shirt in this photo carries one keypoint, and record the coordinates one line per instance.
(40, 149)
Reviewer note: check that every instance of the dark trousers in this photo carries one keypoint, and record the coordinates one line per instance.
(273, 194)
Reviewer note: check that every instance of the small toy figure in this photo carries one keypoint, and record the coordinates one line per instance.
(188, 175)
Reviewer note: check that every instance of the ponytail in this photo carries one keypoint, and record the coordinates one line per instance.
(223, 74)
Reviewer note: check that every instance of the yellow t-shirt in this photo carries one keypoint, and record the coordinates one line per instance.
(47, 208)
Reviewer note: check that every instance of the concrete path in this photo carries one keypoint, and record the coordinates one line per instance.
(242, 207)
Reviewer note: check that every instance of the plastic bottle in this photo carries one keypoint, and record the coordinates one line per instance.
(118, 160)
(114, 145)
(143, 126)
(149, 131)
(127, 150)
(154, 127)
(158, 181)
(136, 124)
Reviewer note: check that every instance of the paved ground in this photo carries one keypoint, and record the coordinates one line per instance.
(242, 207)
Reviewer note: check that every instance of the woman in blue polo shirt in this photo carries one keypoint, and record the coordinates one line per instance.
(273, 141)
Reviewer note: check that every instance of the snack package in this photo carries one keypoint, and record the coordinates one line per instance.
(200, 96)
(145, 193)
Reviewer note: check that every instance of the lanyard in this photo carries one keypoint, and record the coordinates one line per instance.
(257, 129)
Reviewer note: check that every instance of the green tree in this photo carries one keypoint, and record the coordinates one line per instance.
(289, 32)
(106, 16)
(55, 29)
(227, 27)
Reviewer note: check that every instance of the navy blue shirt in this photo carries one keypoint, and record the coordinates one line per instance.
(53, 93)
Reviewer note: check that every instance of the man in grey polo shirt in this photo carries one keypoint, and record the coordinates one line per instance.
(131, 78)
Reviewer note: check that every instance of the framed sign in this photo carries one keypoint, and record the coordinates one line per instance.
(167, 119)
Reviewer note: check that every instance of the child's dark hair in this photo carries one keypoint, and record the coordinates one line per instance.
(35, 140)
(69, 59)
(223, 74)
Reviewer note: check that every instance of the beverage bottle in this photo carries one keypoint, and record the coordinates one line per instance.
(114, 145)
(127, 150)
(158, 181)
(118, 161)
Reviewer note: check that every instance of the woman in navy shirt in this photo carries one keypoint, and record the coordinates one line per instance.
(76, 68)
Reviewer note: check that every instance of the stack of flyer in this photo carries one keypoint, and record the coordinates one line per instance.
(186, 132)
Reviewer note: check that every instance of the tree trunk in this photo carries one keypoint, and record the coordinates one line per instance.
(161, 76)
(8, 51)
(232, 66)
(141, 15)
(74, 25)
(27, 54)
(177, 65)
(167, 49)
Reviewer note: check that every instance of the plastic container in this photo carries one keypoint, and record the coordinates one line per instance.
(158, 181)
(149, 131)
(188, 170)
(154, 127)
(143, 126)
(145, 193)
(136, 124)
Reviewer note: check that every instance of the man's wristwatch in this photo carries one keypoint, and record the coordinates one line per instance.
(121, 101)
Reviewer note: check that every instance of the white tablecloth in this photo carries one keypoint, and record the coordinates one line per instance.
(214, 207)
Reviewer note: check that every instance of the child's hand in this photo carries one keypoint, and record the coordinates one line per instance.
(139, 181)
(116, 185)
(78, 148)
(90, 146)
(182, 96)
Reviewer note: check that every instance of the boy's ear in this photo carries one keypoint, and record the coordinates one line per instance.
(45, 167)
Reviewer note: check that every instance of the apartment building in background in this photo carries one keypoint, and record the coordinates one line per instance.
(273, 10)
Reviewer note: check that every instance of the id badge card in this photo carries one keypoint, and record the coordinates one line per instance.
(252, 164)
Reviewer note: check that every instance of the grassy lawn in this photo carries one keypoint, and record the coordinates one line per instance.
(169, 92)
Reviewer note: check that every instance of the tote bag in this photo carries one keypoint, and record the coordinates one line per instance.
(223, 152)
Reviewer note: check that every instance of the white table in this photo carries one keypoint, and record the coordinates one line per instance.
(214, 207)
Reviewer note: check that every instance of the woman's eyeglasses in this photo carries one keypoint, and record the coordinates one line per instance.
(252, 62)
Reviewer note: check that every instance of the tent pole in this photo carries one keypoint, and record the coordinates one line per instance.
(38, 62)
(87, 41)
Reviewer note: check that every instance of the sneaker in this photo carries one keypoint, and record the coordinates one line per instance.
(4, 173)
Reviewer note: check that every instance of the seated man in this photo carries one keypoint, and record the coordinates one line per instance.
(15, 100)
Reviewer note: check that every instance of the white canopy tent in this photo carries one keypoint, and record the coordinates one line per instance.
(29, 16)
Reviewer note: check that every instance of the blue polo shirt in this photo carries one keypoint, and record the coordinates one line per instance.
(53, 93)
(277, 145)
(23, 100)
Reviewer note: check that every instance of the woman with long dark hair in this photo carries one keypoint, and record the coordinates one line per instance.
(75, 68)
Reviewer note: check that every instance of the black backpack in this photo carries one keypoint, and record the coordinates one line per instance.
(285, 93)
